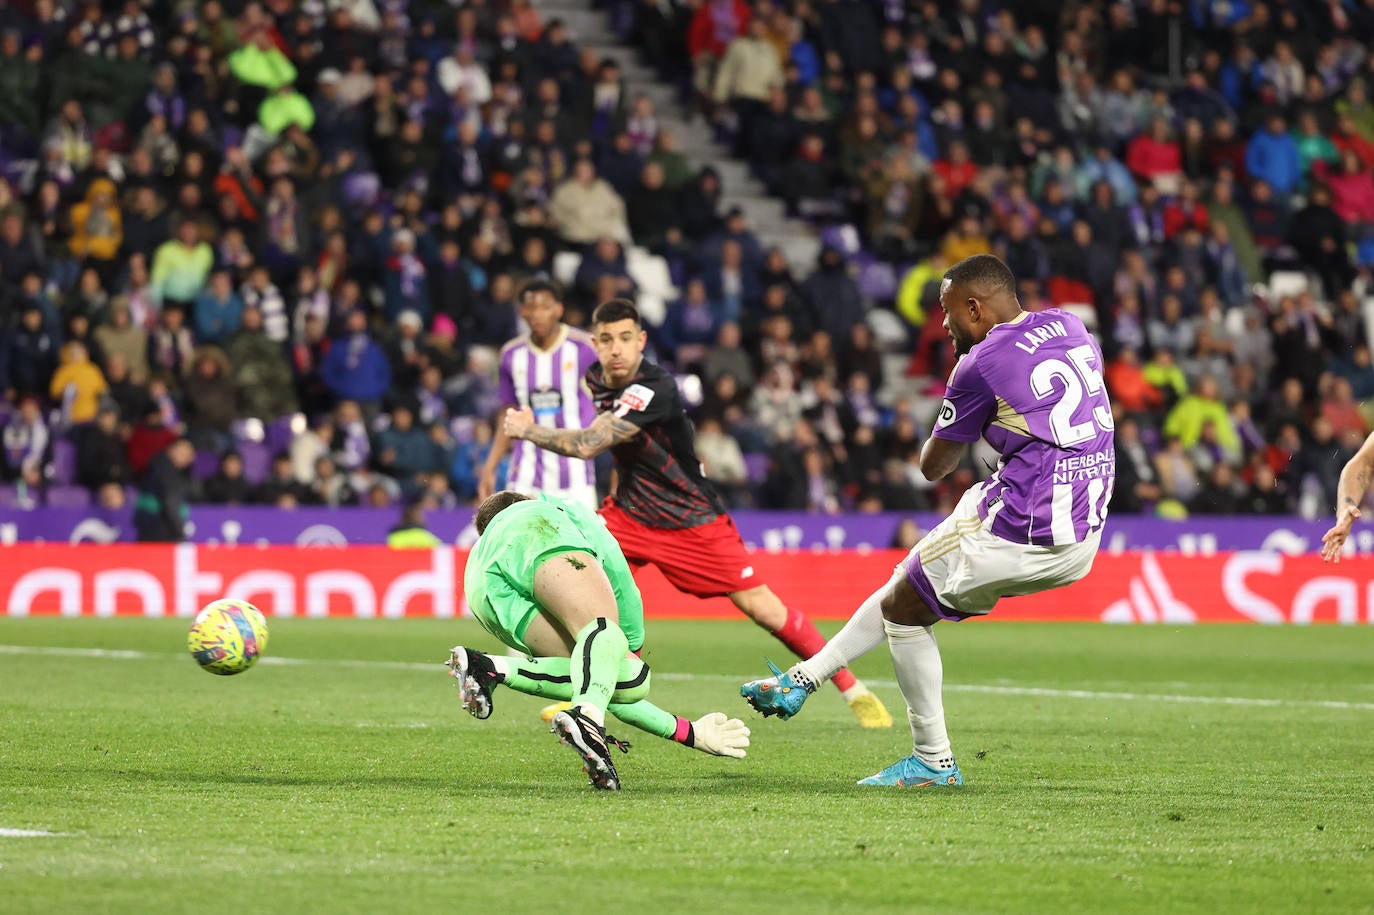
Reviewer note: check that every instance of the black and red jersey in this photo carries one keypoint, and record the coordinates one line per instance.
(660, 481)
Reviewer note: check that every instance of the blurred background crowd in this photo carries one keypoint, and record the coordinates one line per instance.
(296, 232)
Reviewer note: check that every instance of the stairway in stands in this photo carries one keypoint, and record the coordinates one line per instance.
(589, 27)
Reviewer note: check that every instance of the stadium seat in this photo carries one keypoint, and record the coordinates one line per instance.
(281, 431)
(206, 463)
(756, 467)
(565, 264)
(63, 462)
(257, 460)
(68, 497)
(1287, 282)
(10, 497)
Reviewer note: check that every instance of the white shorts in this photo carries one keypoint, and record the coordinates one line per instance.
(578, 495)
(962, 569)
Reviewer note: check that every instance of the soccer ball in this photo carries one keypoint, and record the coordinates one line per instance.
(227, 637)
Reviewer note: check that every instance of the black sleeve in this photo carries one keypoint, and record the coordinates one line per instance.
(649, 401)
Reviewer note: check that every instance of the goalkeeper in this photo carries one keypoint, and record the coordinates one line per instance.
(548, 579)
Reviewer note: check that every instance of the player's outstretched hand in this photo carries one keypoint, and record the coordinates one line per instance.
(518, 422)
(1334, 539)
(720, 736)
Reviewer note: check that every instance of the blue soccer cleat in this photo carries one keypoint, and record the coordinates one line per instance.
(777, 695)
(911, 772)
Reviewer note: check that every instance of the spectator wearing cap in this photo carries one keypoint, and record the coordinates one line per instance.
(405, 350)
(405, 278)
(355, 368)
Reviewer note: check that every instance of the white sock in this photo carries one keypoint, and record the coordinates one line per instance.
(593, 713)
(862, 634)
(920, 674)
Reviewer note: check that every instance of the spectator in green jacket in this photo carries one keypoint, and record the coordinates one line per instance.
(284, 108)
(19, 79)
(1188, 417)
(1163, 373)
(260, 63)
(181, 266)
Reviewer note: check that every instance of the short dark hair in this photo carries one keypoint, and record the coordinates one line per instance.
(542, 284)
(985, 271)
(616, 310)
(493, 505)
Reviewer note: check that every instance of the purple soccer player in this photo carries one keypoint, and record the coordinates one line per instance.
(1031, 385)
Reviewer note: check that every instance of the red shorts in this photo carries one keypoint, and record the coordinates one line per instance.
(705, 561)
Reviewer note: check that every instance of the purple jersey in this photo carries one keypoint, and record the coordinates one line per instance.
(549, 382)
(1033, 388)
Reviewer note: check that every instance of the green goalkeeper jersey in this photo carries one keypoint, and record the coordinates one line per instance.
(499, 579)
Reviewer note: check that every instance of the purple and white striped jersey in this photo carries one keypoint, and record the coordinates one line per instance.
(549, 382)
(1033, 388)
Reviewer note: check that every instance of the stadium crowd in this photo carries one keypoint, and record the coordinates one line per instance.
(296, 232)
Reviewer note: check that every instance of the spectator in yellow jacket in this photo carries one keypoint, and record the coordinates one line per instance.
(97, 224)
(1188, 417)
(83, 378)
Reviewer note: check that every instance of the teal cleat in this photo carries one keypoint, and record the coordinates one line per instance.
(911, 772)
(777, 695)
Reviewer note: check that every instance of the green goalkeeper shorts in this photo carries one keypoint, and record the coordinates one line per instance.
(499, 578)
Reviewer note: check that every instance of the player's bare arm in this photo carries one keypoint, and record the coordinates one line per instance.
(604, 433)
(500, 445)
(1355, 480)
(939, 457)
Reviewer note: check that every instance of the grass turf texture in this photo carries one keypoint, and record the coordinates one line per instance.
(353, 781)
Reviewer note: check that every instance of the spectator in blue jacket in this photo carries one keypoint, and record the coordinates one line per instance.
(355, 367)
(1273, 156)
(406, 452)
(218, 310)
(1103, 166)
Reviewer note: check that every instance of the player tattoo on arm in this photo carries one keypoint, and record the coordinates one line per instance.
(605, 432)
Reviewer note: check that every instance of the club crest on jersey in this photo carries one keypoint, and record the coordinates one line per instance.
(947, 415)
(635, 397)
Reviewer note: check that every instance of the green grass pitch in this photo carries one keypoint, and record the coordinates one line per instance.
(343, 776)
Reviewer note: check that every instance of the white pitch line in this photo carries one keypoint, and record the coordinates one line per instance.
(677, 677)
(31, 834)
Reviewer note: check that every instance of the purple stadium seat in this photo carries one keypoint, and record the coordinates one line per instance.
(207, 462)
(68, 497)
(756, 467)
(9, 498)
(257, 460)
(279, 434)
(63, 462)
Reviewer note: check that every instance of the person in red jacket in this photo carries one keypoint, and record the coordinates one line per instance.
(1352, 190)
(1154, 156)
(1187, 211)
